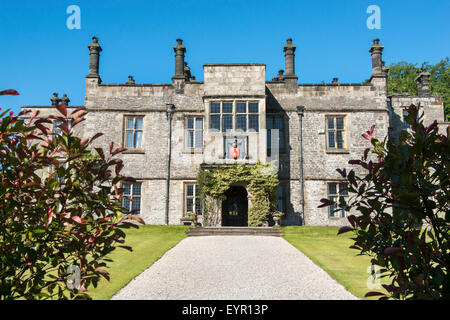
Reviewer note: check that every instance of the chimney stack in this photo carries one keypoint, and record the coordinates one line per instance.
(179, 50)
(279, 76)
(423, 83)
(94, 57)
(130, 80)
(289, 55)
(187, 72)
(65, 100)
(55, 99)
(377, 63)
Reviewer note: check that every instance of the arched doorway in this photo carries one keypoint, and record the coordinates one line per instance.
(235, 208)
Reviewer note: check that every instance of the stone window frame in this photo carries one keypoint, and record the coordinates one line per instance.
(234, 115)
(124, 133)
(186, 149)
(345, 148)
(133, 196)
(283, 132)
(195, 197)
(338, 214)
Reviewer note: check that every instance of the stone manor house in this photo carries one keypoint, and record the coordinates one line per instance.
(305, 130)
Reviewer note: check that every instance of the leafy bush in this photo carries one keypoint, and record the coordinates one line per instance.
(403, 200)
(60, 207)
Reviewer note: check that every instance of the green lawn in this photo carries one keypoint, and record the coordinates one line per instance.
(149, 243)
(332, 254)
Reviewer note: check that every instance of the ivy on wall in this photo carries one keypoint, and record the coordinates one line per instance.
(261, 181)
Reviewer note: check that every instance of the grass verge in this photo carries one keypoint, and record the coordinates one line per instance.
(332, 254)
(149, 243)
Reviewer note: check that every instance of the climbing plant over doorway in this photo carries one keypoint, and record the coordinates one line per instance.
(261, 181)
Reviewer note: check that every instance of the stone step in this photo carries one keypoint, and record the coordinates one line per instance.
(234, 231)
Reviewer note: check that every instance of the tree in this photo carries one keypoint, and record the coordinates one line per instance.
(403, 202)
(402, 76)
(60, 207)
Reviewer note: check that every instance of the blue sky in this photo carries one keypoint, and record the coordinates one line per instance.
(40, 55)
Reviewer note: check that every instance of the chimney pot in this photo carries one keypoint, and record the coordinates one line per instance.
(376, 51)
(55, 100)
(289, 50)
(423, 82)
(65, 100)
(179, 50)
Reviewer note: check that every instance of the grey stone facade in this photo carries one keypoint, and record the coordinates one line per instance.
(360, 105)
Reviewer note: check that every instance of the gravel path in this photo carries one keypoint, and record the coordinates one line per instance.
(234, 267)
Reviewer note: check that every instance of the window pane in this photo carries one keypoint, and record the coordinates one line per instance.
(330, 123)
(281, 139)
(130, 123)
(190, 123)
(215, 122)
(190, 205)
(340, 123)
(127, 188)
(340, 140)
(190, 190)
(199, 139)
(280, 191)
(136, 204)
(241, 107)
(190, 139)
(126, 204)
(253, 107)
(215, 107)
(280, 205)
(56, 123)
(278, 123)
(331, 211)
(241, 123)
(198, 123)
(136, 189)
(198, 207)
(332, 188)
(139, 123)
(253, 123)
(138, 139)
(227, 123)
(129, 140)
(331, 142)
(269, 123)
(227, 107)
(343, 189)
(332, 208)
